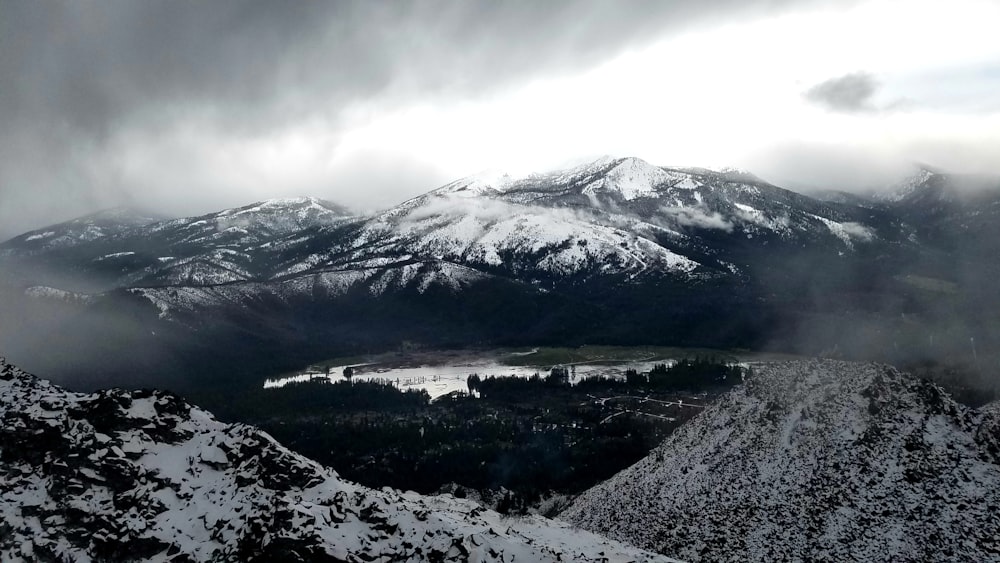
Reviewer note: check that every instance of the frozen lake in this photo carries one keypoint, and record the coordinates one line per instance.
(440, 380)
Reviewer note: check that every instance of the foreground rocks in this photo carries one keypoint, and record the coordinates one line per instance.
(144, 476)
(815, 461)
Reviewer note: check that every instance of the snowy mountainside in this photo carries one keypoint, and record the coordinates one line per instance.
(520, 239)
(130, 476)
(929, 192)
(615, 249)
(609, 217)
(222, 247)
(372, 279)
(815, 460)
(613, 217)
(229, 245)
(252, 223)
(84, 229)
(957, 215)
(687, 203)
(913, 186)
(678, 201)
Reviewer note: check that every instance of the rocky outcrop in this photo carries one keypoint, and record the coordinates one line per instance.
(144, 476)
(815, 461)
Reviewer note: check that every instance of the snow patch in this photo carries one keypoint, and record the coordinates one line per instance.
(39, 236)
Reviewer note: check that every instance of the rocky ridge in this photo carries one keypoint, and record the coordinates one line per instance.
(816, 461)
(145, 476)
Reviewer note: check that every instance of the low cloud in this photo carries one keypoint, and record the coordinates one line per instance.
(697, 218)
(857, 231)
(851, 93)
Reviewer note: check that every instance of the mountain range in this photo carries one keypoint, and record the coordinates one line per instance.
(612, 251)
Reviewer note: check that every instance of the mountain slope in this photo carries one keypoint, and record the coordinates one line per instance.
(618, 217)
(687, 200)
(614, 251)
(78, 231)
(118, 476)
(611, 217)
(222, 247)
(815, 460)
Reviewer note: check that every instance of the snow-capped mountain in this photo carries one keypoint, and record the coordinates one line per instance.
(613, 220)
(123, 251)
(952, 214)
(676, 202)
(815, 460)
(915, 185)
(617, 246)
(612, 217)
(930, 191)
(144, 476)
(227, 246)
(78, 231)
(621, 217)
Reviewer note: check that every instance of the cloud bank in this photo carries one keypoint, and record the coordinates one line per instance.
(186, 107)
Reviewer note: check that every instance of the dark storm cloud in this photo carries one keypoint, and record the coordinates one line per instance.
(850, 93)
(75, 76)
(93, 63)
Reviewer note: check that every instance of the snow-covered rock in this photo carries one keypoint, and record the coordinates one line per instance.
(909, 187)
(88, 228)
(521, 239)
(144, 476)
(815, 461)
(45, 293)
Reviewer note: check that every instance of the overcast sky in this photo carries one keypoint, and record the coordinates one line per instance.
(185, 107)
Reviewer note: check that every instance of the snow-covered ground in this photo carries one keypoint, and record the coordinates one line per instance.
(815, 461)
(144, 476)
(441, 380)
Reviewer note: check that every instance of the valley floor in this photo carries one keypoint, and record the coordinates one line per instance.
(515, 440)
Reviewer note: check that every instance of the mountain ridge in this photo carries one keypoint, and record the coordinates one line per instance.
(613, 251)
(814, 460)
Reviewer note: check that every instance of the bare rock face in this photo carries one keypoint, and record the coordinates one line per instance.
(815, 461)
(144, 476)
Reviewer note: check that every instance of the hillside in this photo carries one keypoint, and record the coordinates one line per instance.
(144, 476)
(816, 461)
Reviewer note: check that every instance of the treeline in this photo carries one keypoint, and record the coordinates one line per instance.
(321, 396)
(689, 374)
(529, 436)
(518, 447)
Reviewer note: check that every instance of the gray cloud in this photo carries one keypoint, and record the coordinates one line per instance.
(87, 82)
(865, 167)
(698, 218)
(850, 93)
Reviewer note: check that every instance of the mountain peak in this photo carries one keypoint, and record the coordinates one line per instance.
(289, 201)
(739, 174)
(484, 182)
(911, 185)
(627, 177)
(294, 202)
(301, 207)
(633, 177)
